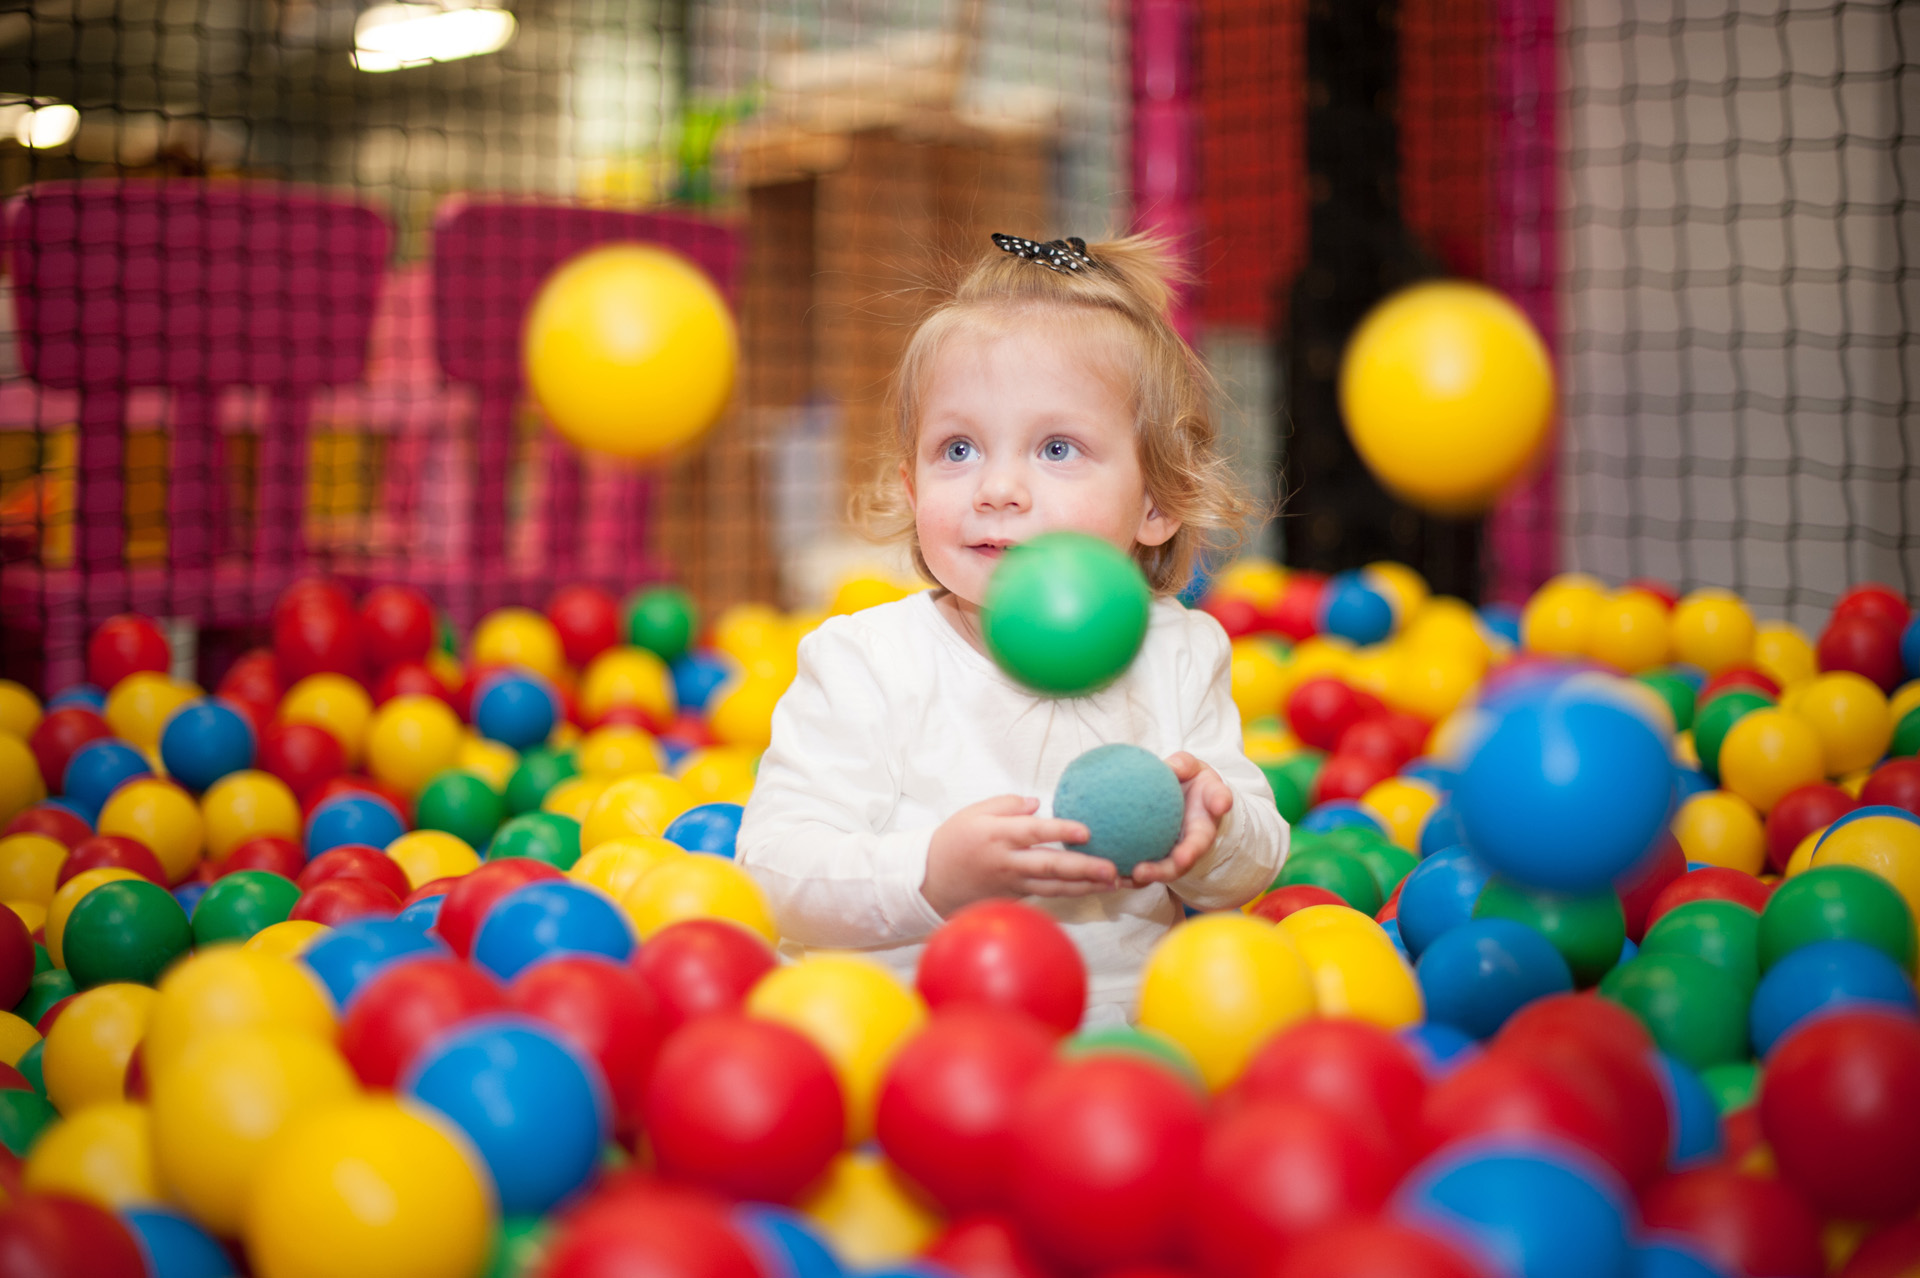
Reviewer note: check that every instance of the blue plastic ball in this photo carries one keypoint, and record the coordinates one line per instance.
(352, 818)
(1441, 1048)
(787, 1243)
(1503, 620)
(97, 769)
(1438, 895)
(515, 708)
(1441, 830)
(1339, 814)
(1534, 1213)
(1129, 800)
(1910, 648)
(709, 827)
(422, 914)
(346, 958)
(1821, 977)
(696, 676)
(1669, 1260)
(1392, 928)
(69, 806)
(1566, 789)
(1688, 782)
(189, 894)
(174, 1246)
(1692, 1118)
(204, 741)
(548, 918)
(1354, 610)
(89, 696)
(534, 1108)
(1478, 974)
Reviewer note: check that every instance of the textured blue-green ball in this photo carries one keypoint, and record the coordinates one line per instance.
(1127, 798)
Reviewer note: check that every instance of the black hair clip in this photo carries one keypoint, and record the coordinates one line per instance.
(1068, 256)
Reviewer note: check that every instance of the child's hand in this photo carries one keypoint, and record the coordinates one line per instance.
(1209, 799)
(989, 850)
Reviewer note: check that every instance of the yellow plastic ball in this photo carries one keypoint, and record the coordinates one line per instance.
(627, 677)
(718, 774)
(1375, 669)
(140, 705)
(1853, 782)
(162, 816)
(1904, 698)
(1784, 654)
(1405, 589)
(244, 805)
(853, 1010)
(1220, 985)
(1722, 829)
(1712, 629)
(575, 796)
(1432, 682)
(1559, 617)
(29, 866)
(87, 1050)
(230, 987)
(55, 928)
(859, 593)
(217, 1109)
(1850, 715)
(31, 913)
(447, 668)
(1402, 806)
(742, 715)
(643, 805)
(412, 740)
(286, 939)
(618, 750)
(744, 629)
(491, 761)
(617, 864)
(518, 637)
(699, 886)
(16, 1037)
(426, 855)
(1629, 632)
(1357, 972)
(868, 1215)
(333, 702)
(1257, 677)
(1252, 578)
(630, 350)
(21, 785)
(1447, 393)
(1768, 753)
(1448, 623)
(1887, 845)
(1802, 859)
(374, 1187)
(102, 1155)
(19, 710)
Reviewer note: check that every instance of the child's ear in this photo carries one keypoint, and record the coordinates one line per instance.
(1155, 529)
(906, 482)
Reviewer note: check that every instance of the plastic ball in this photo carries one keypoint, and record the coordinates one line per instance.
(427, 855)
(404, 1008)
(490, 761)
(317, 631)
(461, 804)
(1543, 1214)
(103, 1154)
(140, 705)
(98, 768)
(335, 703)
(660, 619)
(587, 621)
(707, 827)
(1357, 970)
(517, 709)
(1799, 813)
(1355, 611)
(1439, 895)
(1476, 975)
(1718, 828)
(162, 816)
(1866, 646)
(741, 714)
(124, 931)
(1694, 1010)
(1378, 1248)
(1723, 933)
(87, 1049)
(1586, 929)
(355, 861)
(618, 750)
(1716, 717)
(1849, 715)
(1008, 956)
(1822, 976)
(1835, 903)
(126, 645)
(606, 1010)
(538, 772)
(618, 864)
(530, 1103)
(1447, 391)
(350, 955)
(303, 755)
(396, 625)
(411, 740)
(1129, 800)
(542, 919)
(204, 741)
(1559, 617)
(518, 637)
(1742, 1224)
(30, 867)
(703, 967)
(697, 886)
(242, 806)
(1220, 986)
(1065, 613)
(1629, 632)
(371, 1188)
(354, 819)
(643, 806)
(868, 1215)
(174, 1246)
(60, 735)
(1886, 845)
(286, 940)
(231, 988)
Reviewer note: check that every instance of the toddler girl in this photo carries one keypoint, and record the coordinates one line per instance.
(907, 775)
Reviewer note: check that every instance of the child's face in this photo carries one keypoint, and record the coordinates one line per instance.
(1023, 432)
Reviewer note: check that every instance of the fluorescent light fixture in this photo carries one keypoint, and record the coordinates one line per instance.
(389, 37)
(40, 127)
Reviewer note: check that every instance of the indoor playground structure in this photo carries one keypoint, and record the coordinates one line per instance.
(426, 436)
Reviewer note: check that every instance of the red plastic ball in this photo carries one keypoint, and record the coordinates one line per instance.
(1603, 1047)
(587, 619)
(62, 732)
(1004, 954)
(1282, 901)
(469, 900)
(408, 679)
(949, 1097)
(1744, 1224)
(1866, 647)
(1510, 1095)
(1349, 776)
(430, 889)
(1296, 613)
(1889, 1252)
(1375, 1249)
(1873, 602)
(1105, 1151)
(48, 1236)
(1737, 677)
(1381, 740)
(606, 1010)
(55, 822)
(253, 682)
(1840, 1106)
(124, 645)
(341, 900)
(985, 1245)
(396, 624)
(630, 716)
(1799, 813)
(1238, 617)
(1895, 783)
(462, 698)
(744, 1106)
(1638, 887)
(403, 1009)
(637, 1228)
(270, 852)
(115, 851)
(1660, 590)
(356, 861)
(701, 967)
(1320, 709)
(317, 632)
(1346, 1067)
(16, 958)
(1710, 883)
(304, 755)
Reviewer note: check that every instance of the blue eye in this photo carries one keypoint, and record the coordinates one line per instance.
(1056, 450)
(958, 450)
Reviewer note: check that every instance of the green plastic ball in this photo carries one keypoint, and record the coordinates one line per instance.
(462, 804)
(1733, 1086)
(539, 836)
(1587, 929)
(1696, 1013)
(1065, 613)
(539, 771)
(1303, 767)
(661, 619)
(128, 930)
(1149, 1045)
(1836, 903)
(1341, 873)
(1714, 720)
(1129, 800)
(31, 1068)
(1906, 735)
(1675, 691)
(42, 961)
(519, 1246)
(242, 903)
(1723, 933)
(1387, 861)
(23, 1116)
(1288, 794)
(43, 991)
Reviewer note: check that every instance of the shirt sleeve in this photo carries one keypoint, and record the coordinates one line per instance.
(1252, 842)
(825, 786)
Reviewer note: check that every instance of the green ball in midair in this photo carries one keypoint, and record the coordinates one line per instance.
(1065, 613)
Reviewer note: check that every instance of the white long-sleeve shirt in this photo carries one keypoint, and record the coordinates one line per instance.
(895, 722)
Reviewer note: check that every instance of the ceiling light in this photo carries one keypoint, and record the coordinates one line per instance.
(389, 37)
(47, 126)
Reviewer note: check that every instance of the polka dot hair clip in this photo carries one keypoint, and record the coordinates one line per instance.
(1068, 256)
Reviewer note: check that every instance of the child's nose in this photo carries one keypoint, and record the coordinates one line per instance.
(1001, 486)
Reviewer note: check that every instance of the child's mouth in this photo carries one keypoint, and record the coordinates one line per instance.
(991, 549)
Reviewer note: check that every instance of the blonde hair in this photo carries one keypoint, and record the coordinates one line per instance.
(1128, 293)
